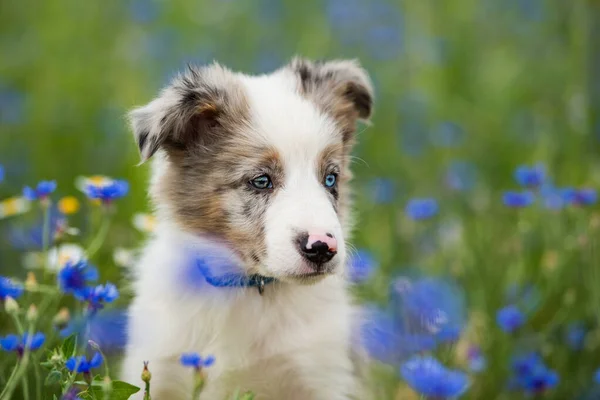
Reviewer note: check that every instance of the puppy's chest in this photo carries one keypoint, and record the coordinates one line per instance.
(259, 328)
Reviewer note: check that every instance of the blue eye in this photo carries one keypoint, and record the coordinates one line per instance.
(330, 180)
(262, 182)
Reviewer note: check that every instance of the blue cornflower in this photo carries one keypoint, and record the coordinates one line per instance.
(19, 344)
(362, 265)
(461, 176)
(448, 134)
(518, 199)
(107, 329)
(597, 376)
(81, 364)
(556, 198)
(382, 190)
(430, 306)
(40, 192)
(530, 177)
(9, 288)
(419, 209)
(526, 296)
(98, 296)
(575, 335)
(585, 197)
(430, 378)
(386, 339)
(510, 318)
(195, 361)
(73, 278)
(107, 193)
(1, 173)
(531, 374)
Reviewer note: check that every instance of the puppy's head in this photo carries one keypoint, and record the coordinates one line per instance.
(259, 162)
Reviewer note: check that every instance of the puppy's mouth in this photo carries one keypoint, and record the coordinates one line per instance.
(309, 276)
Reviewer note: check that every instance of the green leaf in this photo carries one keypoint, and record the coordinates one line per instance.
(47, 364)
(53, 378)
(247, 396)
(120, 391)
(69, 346)
(84, 383)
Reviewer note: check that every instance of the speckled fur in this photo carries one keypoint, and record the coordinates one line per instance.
(210, 132)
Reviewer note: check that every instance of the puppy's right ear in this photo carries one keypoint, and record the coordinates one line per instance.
(192, 110)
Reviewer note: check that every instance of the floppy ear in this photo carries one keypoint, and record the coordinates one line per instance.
(341, 88)
(193, 109)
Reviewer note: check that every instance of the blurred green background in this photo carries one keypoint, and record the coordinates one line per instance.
(466, 90)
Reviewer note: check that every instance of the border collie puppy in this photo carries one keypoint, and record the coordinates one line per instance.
(250, 184)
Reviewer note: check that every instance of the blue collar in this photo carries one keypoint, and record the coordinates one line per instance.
(242, 281)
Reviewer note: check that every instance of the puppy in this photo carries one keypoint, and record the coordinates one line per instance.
(254, 169)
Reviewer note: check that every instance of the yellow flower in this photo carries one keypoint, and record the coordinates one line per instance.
(13, 206)
(68, 205)
(144, 222)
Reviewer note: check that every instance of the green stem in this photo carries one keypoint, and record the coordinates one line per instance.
(9, 388)
(91, 391)
(15, 318)
(147, 391)
(71, 379)
(25, 385)
(20, 370)
(45, 240)
(38, 378)
(100, 237)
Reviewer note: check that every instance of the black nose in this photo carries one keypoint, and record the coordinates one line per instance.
(316, 251)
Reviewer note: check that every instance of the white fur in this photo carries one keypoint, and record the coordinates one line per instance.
(291, 343)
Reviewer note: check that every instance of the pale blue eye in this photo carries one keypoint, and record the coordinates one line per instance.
(330, 180)
(262, 182)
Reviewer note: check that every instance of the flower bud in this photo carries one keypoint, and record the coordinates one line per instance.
(146, 375)
(10, 305)
(32, 313)
(31, 282)
(107, 385)
(61, 319)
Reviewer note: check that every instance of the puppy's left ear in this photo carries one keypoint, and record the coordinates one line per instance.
(341, 88)
(196, 109)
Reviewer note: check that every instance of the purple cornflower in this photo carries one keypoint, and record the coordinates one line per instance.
(72, 394)
(531, 374)
(585, 197)
(476, 359)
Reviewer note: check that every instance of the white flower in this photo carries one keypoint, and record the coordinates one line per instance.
(144, 222)
(124, 257)
(59, 256)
